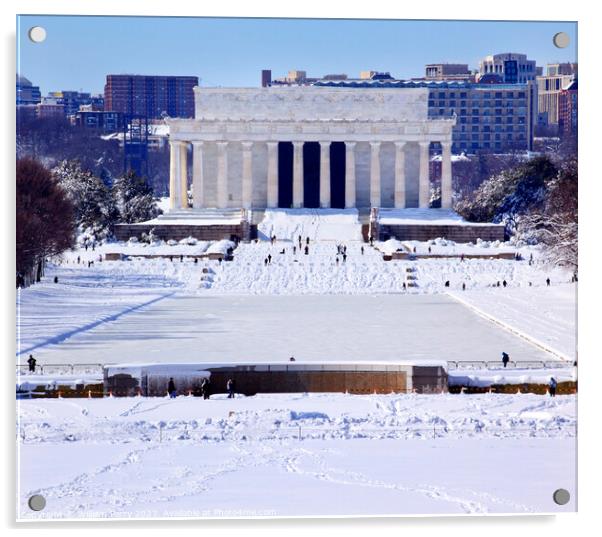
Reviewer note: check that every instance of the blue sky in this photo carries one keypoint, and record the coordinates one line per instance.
(80, 51)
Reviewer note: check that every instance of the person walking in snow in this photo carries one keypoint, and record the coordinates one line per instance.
(78, 260)
(269, 259)
(548, 282)
(32, 364)
(463, 287)
(446, 283)
(337, 260)
(462, 258)
(294, 250)
(171, 388)
(505, 358)
(265, 262)
(504, 283)
(552, 387)
(205, 386)
(307, 250)
(307, 240)
(362, 250)
(371, 240)
(344, 257)
(230, 388)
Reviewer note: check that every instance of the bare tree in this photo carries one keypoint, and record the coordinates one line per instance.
(45, 225)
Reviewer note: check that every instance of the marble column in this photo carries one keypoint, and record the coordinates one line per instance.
(446, 176)
(325, 174)
(184, 175)
(375, 174)
(272, 175)
(198, 186)
(349, 175)
(174, 174)
(423, 180)
(222, 175)
(247, 174)
(400, 175)
(297, 174)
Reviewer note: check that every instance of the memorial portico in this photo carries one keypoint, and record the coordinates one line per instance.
(240, 142)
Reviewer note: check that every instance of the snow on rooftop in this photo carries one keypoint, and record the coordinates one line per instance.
(415, 216)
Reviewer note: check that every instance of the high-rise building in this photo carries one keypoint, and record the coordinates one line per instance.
(511, 67)
(489, 117)
(266, 78)
(549, 87)
(150, 96)
(567, 110)
(27, 93)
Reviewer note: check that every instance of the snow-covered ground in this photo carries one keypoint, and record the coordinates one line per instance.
(306, 305)
(302, 454)
(238, 328)
(295, 454)
(317, 224)
(544, 315)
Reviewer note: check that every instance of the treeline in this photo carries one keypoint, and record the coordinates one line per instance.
(56, 207)
(536, 200)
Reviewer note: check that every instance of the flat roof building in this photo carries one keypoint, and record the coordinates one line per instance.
(150, 96)
(513, 68)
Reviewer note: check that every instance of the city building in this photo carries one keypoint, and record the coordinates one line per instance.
(448, 71)
(567, 110)
(489, 117)
(266, 78)
(549, 87)
(308, 146)
(49, 109)
(150, 96)
(27, 93)
(102, 121)
(72, 101)
(511, 67)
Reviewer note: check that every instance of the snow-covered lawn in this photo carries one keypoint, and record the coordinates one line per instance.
(546, 315)
(296, 454)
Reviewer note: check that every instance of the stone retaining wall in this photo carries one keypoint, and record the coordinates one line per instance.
(463, 233)
(177, 232)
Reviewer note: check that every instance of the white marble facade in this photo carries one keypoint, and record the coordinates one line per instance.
(233, 142)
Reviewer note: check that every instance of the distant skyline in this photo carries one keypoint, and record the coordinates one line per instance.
(80, 51)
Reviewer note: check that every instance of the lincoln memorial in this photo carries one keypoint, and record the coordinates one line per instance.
(315, 147)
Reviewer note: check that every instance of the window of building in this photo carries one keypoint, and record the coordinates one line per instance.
(462, 95)
(441, 103)
(475, 128)
(441, 95)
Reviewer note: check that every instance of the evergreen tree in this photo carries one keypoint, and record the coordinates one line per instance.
(95, 208)
(135, 199)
